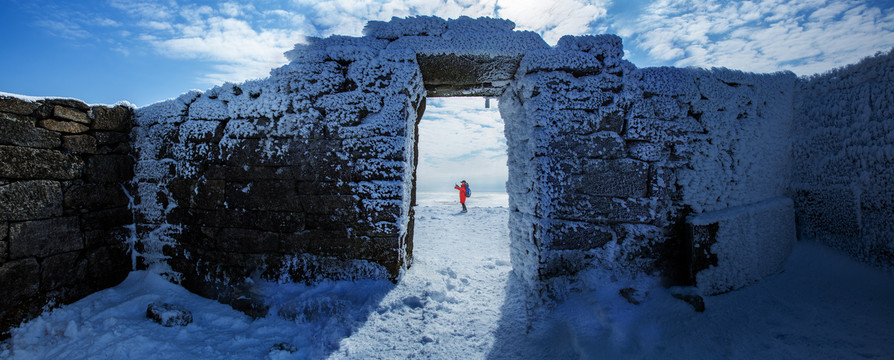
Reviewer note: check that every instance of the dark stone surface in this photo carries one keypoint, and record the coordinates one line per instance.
(64, 269)
(698, 304)
(21, 131)
(168, 315)
(702, 238)
(271, 195)
(108, 266)
(18, 280)
(19, 288)
(27, 163)
(605, 209)
(620, 178)
(79, 143)
(72, 103)
(106, 219)
(106, 237)
(30, 200)
(284, 346)
(95, 197)
(110, 137)
(277, 221)
(43, 238)
(109, 169)
(118, 118)
(568, 235)
(17, 106)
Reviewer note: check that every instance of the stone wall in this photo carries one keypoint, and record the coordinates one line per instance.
(296, 178)
(844, 151)
(65, 168)
(309, 174)
(306, 175)
(614, 167)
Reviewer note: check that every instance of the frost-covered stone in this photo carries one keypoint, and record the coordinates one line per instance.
(843, 149)
(168, 315)
(736, 246)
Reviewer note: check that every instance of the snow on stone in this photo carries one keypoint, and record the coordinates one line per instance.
(844, 150)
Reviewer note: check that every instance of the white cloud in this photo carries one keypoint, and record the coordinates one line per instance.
(240, 51)
(145, 9)
(65, 29)
(771, 35)
(553, 19)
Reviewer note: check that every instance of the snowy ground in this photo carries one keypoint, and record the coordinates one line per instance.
(460, 301)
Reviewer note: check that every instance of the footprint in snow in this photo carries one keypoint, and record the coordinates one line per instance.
(413, 302)
(448, 272)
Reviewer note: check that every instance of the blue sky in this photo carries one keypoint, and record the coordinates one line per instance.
(144, 51)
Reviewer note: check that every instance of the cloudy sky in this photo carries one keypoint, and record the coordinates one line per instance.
(144, 51)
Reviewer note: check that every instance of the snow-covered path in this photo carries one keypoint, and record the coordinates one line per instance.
(448, 305)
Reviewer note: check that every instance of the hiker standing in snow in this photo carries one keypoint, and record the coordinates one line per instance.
(462, 193)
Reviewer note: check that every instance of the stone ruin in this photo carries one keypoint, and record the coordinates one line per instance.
(696, 176)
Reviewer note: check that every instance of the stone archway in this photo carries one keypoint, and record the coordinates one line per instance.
(309, 174)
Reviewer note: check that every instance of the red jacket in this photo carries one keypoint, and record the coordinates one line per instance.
(462, 193)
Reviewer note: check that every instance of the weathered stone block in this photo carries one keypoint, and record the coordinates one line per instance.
(830, 210)
(70, 114)
(43, 238)
(257, 220)
(107, 266)
(106, 219)
(606, 209)
(29, 200)
(19, 281)
(17, 106)
(572, 235)
(114, 236)
(734, 247)
(20, 131)
(85, 144)
(620, 178)
(208, 194)
(263, 195)
(70, 103)
(613, 121)
(168, 315)
(95, 196)
(109, 169)
(606, 145)
(62, 270)
(242, 240)
(70, 127)
(118, 118)
(646, 151)
(27, 163)
(380, 147)
(110, 137)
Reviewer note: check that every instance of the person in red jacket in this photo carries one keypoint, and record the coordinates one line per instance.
(462, 193)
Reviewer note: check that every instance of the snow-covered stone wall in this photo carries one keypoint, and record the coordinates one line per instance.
(301, 176)
(307, 174)
(844, 159)
(608, 161)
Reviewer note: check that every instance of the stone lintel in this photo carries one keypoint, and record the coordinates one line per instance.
(467, 75)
